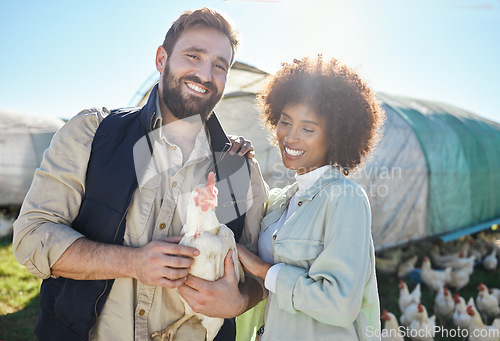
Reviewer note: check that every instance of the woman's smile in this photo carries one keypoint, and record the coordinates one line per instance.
(302, 138)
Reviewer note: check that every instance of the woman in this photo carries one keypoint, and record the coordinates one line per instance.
(315, 246)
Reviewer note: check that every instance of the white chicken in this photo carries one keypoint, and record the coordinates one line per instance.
(203, 231)
(460, 278)
(495, 292)
(386, 265)
(486, 303)
(407, 266)
(405, 298)
(409, 314)
(391, 330)
(478, 246)
(490, 262)
(443, 260)
(434, 279)
(443, 305)
(478, 331)
(460, 316)
(423, 326)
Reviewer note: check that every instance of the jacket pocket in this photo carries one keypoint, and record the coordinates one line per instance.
(297, 251)
(143, 201)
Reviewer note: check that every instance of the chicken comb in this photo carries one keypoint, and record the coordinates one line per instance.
(211, 180)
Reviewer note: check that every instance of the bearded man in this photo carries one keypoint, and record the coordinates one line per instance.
(101, 222)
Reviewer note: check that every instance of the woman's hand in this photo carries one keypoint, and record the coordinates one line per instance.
(251, 263)
(241, 146)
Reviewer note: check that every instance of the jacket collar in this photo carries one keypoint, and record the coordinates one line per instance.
(328, 176)
(218, 139)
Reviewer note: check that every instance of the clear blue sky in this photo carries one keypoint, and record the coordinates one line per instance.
(58, 57)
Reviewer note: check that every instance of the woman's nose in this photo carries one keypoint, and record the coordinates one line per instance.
(291, 137)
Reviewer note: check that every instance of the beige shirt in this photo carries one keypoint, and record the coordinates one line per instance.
(133, 311)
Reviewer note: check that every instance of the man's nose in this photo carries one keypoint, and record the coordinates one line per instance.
(204, 72)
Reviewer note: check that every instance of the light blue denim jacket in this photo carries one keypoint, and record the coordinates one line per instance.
(327, 290)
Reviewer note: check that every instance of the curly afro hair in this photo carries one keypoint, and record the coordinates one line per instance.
(335, 92)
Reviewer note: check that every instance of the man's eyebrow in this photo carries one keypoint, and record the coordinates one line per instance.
(220, 59)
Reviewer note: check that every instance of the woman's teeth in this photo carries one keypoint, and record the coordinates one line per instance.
(293, 152)
(196, 88)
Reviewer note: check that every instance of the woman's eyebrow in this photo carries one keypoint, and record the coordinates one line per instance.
(302, 121)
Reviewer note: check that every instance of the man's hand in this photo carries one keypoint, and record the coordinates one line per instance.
(160, 262)
(221, 298)
(241, 146)
(164, 262)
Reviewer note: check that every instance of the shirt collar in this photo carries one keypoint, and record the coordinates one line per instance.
(328, 175)
(157, 119)
(305, 181)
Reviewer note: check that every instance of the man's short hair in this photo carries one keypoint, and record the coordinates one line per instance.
(204, 17)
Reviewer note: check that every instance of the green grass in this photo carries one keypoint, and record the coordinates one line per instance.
(19, 297)
(389, 294)
(389, 290)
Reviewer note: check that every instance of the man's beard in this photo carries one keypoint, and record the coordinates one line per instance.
(182, 105)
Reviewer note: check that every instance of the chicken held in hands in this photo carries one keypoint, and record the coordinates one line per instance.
(203, 231)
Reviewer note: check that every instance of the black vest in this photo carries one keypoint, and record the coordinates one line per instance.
(69, 308)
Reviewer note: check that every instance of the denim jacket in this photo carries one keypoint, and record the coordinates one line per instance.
(327, 290)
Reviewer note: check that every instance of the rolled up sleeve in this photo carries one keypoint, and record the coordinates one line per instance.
(42, 231)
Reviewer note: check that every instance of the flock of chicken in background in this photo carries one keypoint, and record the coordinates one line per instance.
(458, 260)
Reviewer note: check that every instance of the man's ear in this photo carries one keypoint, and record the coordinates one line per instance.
(161, 58)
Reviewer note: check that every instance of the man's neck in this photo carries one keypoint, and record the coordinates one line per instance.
(181, 132)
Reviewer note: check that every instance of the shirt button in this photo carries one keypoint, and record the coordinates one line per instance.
(142, 312)
(274, 236)
(162, 226)
(174, 184)
(300, 203)
(174, 148)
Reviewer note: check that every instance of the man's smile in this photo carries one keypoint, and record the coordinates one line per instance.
(197, 88)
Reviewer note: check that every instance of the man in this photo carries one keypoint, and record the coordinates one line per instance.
(102, 219)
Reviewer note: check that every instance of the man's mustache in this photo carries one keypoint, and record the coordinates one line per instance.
(209, 85)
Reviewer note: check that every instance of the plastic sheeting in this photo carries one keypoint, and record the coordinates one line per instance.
(395, 179)
(23, 139)
(462, 153)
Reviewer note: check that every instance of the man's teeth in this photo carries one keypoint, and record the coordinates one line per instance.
(294, 152)
(196, 88)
